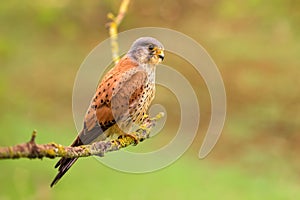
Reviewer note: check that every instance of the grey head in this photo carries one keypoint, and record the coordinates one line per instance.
(146, 50)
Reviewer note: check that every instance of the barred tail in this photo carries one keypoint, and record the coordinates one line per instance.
(65, 164)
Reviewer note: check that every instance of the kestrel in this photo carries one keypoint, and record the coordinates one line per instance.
(122, 98)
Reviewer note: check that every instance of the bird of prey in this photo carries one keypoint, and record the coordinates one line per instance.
(122, 98)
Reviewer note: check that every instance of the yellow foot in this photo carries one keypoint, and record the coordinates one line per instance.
(158, 116)
(123, 136)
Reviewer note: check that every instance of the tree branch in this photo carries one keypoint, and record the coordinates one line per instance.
(113, 29)
(51, 150)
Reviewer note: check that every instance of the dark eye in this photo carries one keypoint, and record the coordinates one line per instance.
(151, 47)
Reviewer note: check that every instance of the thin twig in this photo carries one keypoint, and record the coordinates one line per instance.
(113, 29)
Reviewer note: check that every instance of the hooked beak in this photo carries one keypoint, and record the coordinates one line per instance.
(160, 54)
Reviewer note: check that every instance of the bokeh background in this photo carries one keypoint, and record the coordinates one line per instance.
(256, 46)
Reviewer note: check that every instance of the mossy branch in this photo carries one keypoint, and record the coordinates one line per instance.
(51, 150)
(113, 25)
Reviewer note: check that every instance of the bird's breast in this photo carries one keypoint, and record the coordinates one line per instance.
(139, 112)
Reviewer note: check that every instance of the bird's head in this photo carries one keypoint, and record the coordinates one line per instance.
(147, 50)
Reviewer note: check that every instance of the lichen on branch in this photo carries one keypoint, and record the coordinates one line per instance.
(33, 150)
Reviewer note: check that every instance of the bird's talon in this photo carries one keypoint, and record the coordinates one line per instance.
(135, 138)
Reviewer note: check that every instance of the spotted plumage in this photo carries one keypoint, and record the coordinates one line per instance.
(122, 98)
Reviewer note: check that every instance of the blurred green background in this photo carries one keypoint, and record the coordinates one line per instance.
(256, 46)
